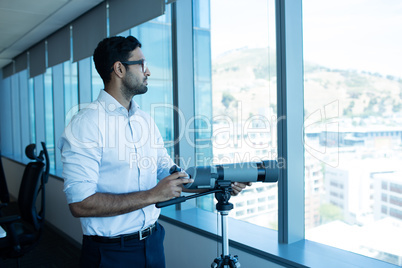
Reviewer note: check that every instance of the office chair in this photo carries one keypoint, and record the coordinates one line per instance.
(8, 206)
(4, 195)
(25, 229)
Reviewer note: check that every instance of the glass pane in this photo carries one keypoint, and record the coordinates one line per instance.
(16, 117)
(353, 90)
(156, 39)
(31, 101)
(97, 83)
(235, 96)
(6, 118)
(70, 90)
(49, 127)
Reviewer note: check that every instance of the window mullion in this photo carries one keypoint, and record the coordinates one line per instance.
(183, 86)
(58, 109)
(290, 120)
(39, 109)
(185, 82)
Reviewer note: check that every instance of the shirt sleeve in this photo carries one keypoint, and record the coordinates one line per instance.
(81, 153)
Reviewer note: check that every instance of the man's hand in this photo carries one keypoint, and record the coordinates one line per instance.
(171, 186)
(237, 187)
(106, 205)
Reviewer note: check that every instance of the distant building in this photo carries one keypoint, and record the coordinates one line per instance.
(388, 195)
(314, 189)
(351, 186)
(375, 137)
(257, 204)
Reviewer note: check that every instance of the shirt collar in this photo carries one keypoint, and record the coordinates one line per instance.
(111, 105)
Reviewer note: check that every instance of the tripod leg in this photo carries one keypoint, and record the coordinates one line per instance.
(223, 206)
(234, 263)
(225, 262)
(225, 239)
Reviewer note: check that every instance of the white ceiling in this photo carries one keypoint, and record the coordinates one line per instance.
(23, 23)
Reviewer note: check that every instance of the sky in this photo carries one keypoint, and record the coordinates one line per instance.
(237, 23)
(354, 34)
(363, 35)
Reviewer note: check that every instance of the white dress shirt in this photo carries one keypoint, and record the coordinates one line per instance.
(108, 149)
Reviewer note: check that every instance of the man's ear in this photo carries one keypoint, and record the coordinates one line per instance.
(119, 69)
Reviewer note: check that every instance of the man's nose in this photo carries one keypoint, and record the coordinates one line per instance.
(147, 72)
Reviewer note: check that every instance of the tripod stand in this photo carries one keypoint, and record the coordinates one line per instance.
(213, 177)
(223, 207)
(222, 194)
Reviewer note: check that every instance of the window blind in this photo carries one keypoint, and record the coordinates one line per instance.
(21, 62)
(88, 31)
(58, 47)
(125, 14)
(8, 70)
(37, 59)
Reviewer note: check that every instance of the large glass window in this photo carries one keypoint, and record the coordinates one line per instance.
(70, 90)
(49, 126)
(353, 116)
(16, 116)
(31, 101)
(6, 118)
(235, 96)
(96, 80)
(156, 39)
(24, 112)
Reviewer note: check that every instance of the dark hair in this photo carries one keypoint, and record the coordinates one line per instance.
(110, 50)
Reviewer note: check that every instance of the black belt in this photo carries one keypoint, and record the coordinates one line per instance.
(140, 235)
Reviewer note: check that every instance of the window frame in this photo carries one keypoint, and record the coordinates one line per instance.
(290, 107)
(290, 120)
(58, 114)
(291, 248)
(39, 90)
(16, 116)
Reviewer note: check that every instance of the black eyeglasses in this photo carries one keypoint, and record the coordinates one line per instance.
(142, 62)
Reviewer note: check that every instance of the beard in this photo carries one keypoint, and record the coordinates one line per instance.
(133, 85)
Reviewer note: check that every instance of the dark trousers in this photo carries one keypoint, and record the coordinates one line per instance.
(146, 253)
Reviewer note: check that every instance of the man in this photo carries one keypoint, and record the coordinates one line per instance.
(113, 157)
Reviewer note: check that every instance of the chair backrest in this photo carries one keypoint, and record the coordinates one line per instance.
(31, 187)
(4, 195)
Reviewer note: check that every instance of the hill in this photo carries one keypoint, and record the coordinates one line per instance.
(248, 76)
